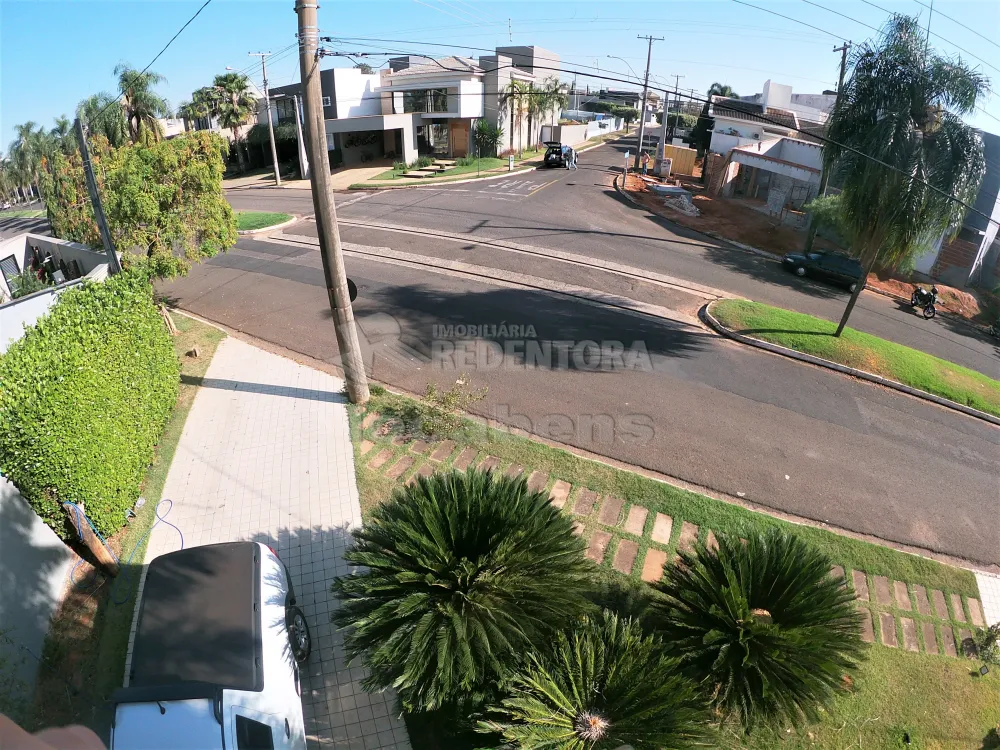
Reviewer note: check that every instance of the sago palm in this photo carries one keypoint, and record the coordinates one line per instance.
(141, 104)
(233, 104)
(902, 107)
(761, 625)
(463, 573)
(605, 685)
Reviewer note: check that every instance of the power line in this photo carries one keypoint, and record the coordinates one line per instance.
(967, 28)
(789, 18)
(838, 13)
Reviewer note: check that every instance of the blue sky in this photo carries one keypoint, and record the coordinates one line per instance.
(54, 53)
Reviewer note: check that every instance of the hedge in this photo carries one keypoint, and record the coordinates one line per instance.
(84, 397)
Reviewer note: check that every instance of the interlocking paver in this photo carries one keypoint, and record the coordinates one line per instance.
(611, 511)
(490, 463)
(515, 471)
(940, 608)
(923, 603)
(625, 556)
(419, 446)
(901, 595)
(860, 584)
(688, 537)
(400, 467)
(867, 629)
(652, 566)
(887, 629)
(976, 613)
(598, 545)
(559, 493)
(636, 521)
(883, 592)
(836, 572)
(425, 470)
(948, 641)
(585, 501)
(464, 459)
(662, 527)
(909, 634)
(366, 445)
(957, 611)
(443, 450)
(384, 455)
(273, 463)
(537, 481)
(930, 637)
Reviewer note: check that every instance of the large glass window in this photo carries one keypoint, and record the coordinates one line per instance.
(425, 100)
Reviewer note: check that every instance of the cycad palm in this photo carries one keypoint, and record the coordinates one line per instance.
(464, 572)
(902, 106)
(142, 106)
(762, 625)
(233, 104)
(605, 685)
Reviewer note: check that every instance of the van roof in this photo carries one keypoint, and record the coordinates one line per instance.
(199, 619)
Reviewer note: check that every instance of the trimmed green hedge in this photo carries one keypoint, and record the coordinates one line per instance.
(84, 396)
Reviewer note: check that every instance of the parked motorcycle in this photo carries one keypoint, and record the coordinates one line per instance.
(925, 299)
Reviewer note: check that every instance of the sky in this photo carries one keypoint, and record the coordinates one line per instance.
(53, 53)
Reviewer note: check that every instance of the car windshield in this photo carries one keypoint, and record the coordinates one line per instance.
(814, 256)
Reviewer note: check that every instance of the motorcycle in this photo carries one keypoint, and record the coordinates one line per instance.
(994, 330)
(925, 299)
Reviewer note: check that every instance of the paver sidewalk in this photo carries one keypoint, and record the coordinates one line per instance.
(266, 455)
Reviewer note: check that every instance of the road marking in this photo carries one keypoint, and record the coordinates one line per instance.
(542, 187)
(341, 204)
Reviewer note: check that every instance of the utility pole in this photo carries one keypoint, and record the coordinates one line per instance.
(645, 92)
(330, 249)
(824, 177)
(267, 103)
(95, 200)
(303, 157)
(927, 39)
(677, 102)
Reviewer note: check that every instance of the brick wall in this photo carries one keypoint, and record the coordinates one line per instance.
(955, 261)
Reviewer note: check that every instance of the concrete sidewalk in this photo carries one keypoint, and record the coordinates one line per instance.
(266, 455)
(339, 178)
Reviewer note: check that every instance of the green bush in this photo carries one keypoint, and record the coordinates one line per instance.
(421, 161)
(86, 393)
(400, 166)
(465, 161)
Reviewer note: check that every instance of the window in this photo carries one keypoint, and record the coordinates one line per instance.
(286, 108)
(426, 100)
(252, 735)
(326, 101)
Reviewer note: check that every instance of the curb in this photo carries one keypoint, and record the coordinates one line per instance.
(272, 228)
(712, 322)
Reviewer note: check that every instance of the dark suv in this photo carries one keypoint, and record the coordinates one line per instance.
(836, 268)
(556, 154)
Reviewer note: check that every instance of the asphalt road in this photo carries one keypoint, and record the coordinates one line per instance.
(698, 407)
(580, 212)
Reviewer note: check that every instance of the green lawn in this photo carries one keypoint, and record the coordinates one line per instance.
(863, 351)
(936, 699)
(246, 220)
(21, 214)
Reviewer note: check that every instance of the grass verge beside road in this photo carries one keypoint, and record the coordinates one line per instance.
(22, 214)
(248, 220)
(938, 700)
(811, 335)
(84, 653)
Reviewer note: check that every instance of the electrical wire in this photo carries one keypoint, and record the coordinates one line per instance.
(838, 13)
(789, 18)
(937, 11)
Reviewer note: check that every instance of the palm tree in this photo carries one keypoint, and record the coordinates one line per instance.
(464, 572)
(26, 152)
(541, 102)
(721, 89)
(761, 625)
(103, 115)
(513, 96)
(202, 104)
(605, 685)
(233, 104)
(488, 137)
(902, 106)
(142, 106)
(701, 135)
(62, 135)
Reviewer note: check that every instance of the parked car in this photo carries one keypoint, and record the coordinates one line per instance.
(836, 268)
(216, 654)
(556, 154)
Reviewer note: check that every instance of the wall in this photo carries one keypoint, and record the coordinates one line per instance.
(356, 93)
(567, 135)
(776, 95)
(470, 99)
(745, 129)
(801, 152)
(34, 570)
(723, 144)
(602, 127)
(14, 316)
(60, 249)
(954, 261)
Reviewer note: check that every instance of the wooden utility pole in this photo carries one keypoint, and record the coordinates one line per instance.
(270, 122)
(824, 177)
(114, 266)
(677, 102)
(645, 92)
(303, 159)
(330, 249)
(97, 548)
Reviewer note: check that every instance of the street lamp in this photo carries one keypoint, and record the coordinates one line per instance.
(615, 57)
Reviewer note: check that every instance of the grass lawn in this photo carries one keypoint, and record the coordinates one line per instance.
(23, 213)
(246, 220)
(88, 640)
(863, 351)
(936, 699)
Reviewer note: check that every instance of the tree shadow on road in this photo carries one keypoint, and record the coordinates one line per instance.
(769, 271)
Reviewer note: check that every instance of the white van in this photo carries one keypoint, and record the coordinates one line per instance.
(215, 661)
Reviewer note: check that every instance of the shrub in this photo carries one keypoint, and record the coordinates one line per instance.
(463, 573)
(487, 137)
(987, 641)
(421, 161)
(605, 685)
(762, 625)
(400, 166)
(86, 393)
(465, 161)
(439, 412)
(25, 283)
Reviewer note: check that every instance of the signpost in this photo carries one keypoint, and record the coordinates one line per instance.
(625, 171)
(510, 163)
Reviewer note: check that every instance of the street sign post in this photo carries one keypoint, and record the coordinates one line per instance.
(510, 163)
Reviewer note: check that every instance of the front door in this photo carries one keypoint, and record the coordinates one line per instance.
(459, 138)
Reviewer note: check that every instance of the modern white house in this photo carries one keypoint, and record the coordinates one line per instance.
(423, 106)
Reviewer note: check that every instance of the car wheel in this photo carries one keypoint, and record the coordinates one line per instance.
(298, 635)
(800, 271)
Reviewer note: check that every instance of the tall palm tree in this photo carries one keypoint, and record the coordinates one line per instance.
(721, 89)
(62, 135)
(605, 685)
(464, 572)
(202, 104)
(234, 104)
(513, 95)
(142, 106)
(701, 135)
(902, 106)
(103, 115)
(762, 625)
(543, 101)
(26, 153)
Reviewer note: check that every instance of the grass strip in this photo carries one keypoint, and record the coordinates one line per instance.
(811, 335)
(23, 213)
(247, 220)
